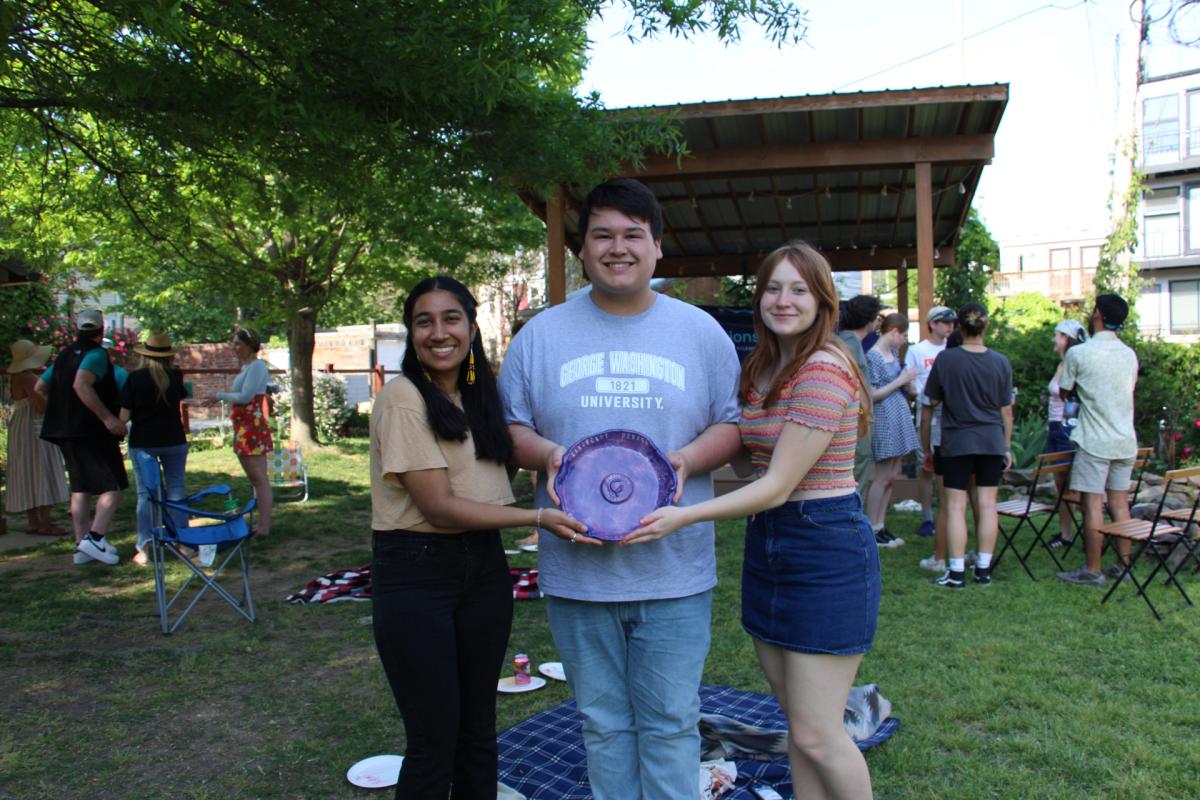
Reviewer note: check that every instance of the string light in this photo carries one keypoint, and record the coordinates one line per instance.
(937, 253)
(883, 191)
(872, 250)
(827, 192)
(904, 263)
(789, 202)
(961, 189)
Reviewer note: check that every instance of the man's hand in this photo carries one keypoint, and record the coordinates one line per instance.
(681, 472)
(1008, 460)
(553, 465)
(116, 427)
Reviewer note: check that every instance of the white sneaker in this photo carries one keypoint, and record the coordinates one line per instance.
(932, 564)
(100, 550)
(83, 558)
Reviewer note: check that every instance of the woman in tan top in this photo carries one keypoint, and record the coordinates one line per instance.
(441, 586)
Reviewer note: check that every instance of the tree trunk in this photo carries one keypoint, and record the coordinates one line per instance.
(302, 335)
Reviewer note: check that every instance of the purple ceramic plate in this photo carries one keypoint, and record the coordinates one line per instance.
(611, 480)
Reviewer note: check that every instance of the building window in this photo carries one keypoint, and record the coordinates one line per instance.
(1161, 228)
(1193, 123)
(1160, 129)
(1192, 204)
(1089, 256)
(1185, 306)
(1060, 258)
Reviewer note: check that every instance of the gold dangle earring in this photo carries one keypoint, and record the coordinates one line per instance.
(471, 369)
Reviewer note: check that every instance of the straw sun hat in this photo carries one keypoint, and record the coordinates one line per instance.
(27, 355)
(157, 345)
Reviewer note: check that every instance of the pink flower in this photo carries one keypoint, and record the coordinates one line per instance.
(1178, 436)
(1187, 451)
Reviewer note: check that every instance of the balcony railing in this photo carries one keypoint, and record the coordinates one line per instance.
(1166, 148)
(1057, 284)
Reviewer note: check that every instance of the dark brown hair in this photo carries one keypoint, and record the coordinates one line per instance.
(248, 337)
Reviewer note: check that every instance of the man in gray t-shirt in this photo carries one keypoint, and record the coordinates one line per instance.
(631, 622)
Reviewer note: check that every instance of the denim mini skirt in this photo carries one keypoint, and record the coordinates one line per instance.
(1058, 438)
(810, 577)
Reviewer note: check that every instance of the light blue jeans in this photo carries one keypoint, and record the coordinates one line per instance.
(635, 669)
(174, 462)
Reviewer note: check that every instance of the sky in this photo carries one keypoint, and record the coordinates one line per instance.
(1051, 176)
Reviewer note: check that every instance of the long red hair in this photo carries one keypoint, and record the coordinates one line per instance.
(815, 271)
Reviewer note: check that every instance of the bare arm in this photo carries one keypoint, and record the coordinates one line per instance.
(430, 490)
(716, 446)
(905, 377)
(797, 449)
(927, 426)
(1006, 414)
(532, 451)
(42, 390)
(85, 389)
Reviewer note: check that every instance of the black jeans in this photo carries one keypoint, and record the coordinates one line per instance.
(442, 615)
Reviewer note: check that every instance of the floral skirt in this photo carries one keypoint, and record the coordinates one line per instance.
(251, 433)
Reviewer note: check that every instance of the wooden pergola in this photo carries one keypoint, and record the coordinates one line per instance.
(875, 180)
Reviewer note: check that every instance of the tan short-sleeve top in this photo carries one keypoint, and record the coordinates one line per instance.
(402, 441)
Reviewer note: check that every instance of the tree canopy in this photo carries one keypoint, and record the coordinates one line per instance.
(278, 155)
(976, 260)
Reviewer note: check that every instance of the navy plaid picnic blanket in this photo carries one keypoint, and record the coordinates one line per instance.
(544, 759)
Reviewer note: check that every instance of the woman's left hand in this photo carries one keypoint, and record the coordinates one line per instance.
(657, 524)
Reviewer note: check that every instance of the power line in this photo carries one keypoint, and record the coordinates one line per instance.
(952, 44)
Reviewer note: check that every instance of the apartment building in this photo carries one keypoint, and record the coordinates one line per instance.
(1168, 107)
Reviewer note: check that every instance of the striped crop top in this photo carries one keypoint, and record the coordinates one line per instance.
(821, 395)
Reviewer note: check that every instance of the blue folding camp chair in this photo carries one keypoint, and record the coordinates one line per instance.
(227, 531)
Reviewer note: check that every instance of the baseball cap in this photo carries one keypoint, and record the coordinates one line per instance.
(91, 320)
(941, 314)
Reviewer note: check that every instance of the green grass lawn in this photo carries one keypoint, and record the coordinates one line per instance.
(1017, 690)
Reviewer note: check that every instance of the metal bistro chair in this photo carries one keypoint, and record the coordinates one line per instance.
(228, 532)
(1158, 538)
(1024, 509)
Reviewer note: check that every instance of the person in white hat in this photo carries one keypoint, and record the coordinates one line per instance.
(1067, 334)
(81, 418)
(35, 467)
(939, 324)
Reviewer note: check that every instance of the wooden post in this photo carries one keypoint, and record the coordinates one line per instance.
(556, 243)
(902, 290)
(924, 241)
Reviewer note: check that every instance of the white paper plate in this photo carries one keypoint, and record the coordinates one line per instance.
(376, 772)
(529, 548)
(509, 685)
(553, 669)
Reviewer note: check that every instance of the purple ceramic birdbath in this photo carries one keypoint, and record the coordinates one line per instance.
(612, 479)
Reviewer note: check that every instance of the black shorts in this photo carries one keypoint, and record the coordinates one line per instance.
(937, 461)
(957, 471)
(95, 465)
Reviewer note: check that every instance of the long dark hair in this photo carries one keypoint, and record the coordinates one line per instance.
(482, 414)
(815, 271)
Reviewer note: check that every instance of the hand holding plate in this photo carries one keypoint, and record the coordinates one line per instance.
(553, 465)
(658, 523)
(566, 527)
(681, 472)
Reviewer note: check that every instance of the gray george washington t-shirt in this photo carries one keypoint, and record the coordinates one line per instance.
(668, 373)
(972, 388)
